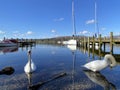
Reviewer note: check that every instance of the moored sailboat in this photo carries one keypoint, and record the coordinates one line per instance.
(72, 41)
(8, 43)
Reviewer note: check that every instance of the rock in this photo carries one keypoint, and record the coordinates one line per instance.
(7, 71)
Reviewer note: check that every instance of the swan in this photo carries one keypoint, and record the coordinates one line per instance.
(98, 65)
(30, 66)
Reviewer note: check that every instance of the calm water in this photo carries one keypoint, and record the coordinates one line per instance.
(52, 60)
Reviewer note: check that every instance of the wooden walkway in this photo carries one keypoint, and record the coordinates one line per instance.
(92, 42)
(27, 42)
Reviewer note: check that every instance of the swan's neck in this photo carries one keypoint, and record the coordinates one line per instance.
(110, 59)
(29, 57)
(107, 60)
(29, 60)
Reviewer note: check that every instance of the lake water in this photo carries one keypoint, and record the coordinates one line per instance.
(51, 61)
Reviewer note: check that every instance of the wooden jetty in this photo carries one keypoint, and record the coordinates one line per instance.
(26, 42)
(87, 42)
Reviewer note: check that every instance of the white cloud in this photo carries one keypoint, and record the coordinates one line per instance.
(90, 21)
(53, 31)
(2, 32)
(18, 34)
(29, 33)
(84, 32)
(103, 28)
(59, 19)
(15, 31)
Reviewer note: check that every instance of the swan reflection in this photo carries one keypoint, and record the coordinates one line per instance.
(99, 79)
(29, 76)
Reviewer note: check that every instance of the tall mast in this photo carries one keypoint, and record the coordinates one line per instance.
(96, 22)
(73, 19)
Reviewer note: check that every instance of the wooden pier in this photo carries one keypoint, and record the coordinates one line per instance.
(100, 41)
(27, 42)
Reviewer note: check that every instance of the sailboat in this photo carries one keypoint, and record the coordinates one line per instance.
(96, 22)
(72, 41)
(96, 27)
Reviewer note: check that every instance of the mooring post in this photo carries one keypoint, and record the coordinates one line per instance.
(111, 42)
(104, 46)
(93, 44)
(88, 46)
(84, 42)
(88, 43)
(100, 41)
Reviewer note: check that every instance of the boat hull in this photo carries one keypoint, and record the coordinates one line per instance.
(8, 44)
(72, 42)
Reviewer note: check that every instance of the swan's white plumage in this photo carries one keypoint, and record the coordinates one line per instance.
(98, 65)
(30, 66)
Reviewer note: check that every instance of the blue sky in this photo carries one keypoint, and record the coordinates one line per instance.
(50, 18)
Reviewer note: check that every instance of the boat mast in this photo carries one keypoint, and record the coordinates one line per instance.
(96, 22)
(73, 19)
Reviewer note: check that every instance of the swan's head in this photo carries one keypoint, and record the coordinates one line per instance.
(110, 59)
(29, 52)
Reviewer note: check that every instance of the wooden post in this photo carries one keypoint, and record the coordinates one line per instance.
(100, 42)
(84, 42)
(104, 46)
(88, 46)
(93, 44)
(111, 42)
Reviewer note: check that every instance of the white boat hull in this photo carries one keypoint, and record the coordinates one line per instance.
(7, 44)
(72, 42)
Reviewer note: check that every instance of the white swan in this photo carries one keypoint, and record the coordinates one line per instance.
(30, 66)
(98, 65)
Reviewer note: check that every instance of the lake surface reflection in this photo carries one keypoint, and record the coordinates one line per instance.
(51, 61)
